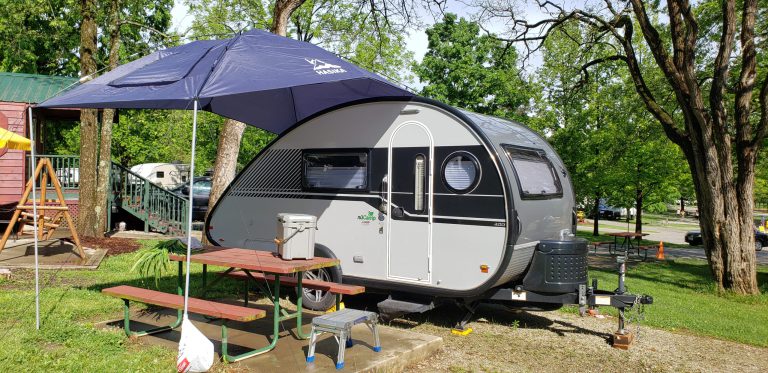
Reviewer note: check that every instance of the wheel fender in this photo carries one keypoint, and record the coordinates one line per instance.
(324, 252)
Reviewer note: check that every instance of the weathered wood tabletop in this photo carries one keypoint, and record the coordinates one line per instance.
(627, 234)
(254, 260)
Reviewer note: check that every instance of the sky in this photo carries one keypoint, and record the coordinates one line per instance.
(417, 40)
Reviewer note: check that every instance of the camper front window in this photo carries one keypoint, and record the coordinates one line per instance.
(536, 176)
(336, 170)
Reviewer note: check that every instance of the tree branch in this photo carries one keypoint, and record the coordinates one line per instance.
(656, 46)
(585, 68)
(147, 27)
(722, 67)
(747, 76)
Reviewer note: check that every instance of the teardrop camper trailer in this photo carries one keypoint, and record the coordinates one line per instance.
(419, 200)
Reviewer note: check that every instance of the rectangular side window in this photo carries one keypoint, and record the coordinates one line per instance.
(160, 174)
(536, 176)
(336, 170)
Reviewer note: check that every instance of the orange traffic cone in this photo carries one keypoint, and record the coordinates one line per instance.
(660, 251)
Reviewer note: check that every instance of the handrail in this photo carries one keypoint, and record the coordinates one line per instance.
(160, 209)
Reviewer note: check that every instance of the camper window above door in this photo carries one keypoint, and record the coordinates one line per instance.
(536, 176)
(335, 170)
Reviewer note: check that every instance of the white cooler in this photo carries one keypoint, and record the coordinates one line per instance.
(296, 236)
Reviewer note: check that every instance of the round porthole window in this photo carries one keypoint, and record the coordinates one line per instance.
(461, 172)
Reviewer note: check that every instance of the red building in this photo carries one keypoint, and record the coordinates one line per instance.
(17, 93)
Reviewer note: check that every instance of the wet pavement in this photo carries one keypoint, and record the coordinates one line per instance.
(400, 348)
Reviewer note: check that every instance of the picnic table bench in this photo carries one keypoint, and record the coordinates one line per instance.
(222, 311)
(330, 287)
(600, 243)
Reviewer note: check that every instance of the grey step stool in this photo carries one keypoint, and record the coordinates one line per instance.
(340, 324)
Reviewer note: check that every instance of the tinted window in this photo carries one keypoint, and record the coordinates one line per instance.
(336, 170)
(461, 172)
(160, 174)
(536, 176)
(201, 187)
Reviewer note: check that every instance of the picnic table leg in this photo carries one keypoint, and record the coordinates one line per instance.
(205, 276)
(174, 325)
(299, 309)
(275, 329)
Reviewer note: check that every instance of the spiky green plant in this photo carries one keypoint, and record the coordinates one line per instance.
(154, 261)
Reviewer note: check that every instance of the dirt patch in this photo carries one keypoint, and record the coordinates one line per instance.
(113, 245)
(504, 340)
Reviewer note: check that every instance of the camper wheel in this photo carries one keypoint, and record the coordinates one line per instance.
(318, 300)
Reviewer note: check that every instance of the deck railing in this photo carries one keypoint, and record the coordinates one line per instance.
(159, 209)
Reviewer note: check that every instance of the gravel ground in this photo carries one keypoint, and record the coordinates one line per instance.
(506, 341)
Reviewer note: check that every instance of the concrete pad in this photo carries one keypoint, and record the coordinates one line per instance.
(400, 348)
(53, 254)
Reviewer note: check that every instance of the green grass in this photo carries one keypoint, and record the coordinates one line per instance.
(70, 306)
(686, 299)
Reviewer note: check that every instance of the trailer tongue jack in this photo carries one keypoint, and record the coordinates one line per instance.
(585, 296)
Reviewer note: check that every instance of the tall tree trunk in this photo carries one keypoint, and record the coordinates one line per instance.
(682, 205)
(232, 131)
(87, 217)
(639, 211)
(108, 115)
(226, 160)
(595, 229)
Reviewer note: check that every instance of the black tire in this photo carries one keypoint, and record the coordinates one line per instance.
(758, 245)
(317, 300)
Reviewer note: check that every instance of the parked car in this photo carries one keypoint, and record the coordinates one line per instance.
(694, 238)
(608, 212)
(201, 192)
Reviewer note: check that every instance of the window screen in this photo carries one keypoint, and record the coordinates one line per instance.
(337, 170)
(536, 176)
(461, 172)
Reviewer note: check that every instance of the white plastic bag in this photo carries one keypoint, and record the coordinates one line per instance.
(195, 350)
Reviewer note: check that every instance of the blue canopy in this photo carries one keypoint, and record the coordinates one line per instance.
(258, 78)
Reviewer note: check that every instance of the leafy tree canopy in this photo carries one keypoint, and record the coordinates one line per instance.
(471, 70)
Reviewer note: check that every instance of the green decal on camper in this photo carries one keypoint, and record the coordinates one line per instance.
(367, 218)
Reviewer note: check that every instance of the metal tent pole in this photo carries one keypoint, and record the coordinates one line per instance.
(34, 218)
(189, 209)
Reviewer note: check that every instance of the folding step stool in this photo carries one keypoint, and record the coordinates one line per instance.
(340, 324)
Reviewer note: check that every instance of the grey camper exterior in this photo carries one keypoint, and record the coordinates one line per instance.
(419, 200)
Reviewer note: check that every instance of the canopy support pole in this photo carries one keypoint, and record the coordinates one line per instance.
(34, 217)
(191, 197)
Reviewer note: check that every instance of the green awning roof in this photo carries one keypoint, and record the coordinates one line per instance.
(15, 87)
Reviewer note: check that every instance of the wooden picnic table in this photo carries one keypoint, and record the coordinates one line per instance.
(251, 260)
(626, 243)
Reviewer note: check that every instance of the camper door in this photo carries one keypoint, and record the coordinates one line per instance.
(410, 203)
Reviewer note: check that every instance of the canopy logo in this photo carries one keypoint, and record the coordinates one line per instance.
(325, 68)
